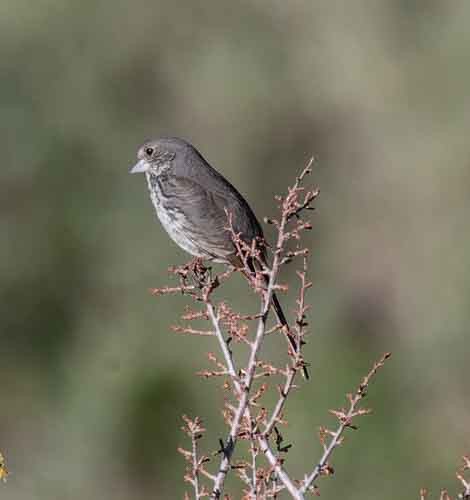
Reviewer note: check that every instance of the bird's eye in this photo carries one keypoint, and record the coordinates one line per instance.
(149, 151)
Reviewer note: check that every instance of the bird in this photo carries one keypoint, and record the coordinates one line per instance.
(192, 200)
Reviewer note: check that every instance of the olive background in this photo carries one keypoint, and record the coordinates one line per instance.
(93, 382)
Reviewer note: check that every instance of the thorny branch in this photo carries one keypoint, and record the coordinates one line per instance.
(345, 418)
(195, 430)
(247, 418)
(465, 494)
(462, 475)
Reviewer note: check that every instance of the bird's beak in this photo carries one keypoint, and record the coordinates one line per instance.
(139, 167)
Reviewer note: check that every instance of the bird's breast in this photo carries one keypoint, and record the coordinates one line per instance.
(172, 219)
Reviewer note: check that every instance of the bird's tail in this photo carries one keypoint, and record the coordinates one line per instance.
(282, 319)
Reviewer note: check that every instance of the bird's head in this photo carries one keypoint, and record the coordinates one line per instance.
(157, 155)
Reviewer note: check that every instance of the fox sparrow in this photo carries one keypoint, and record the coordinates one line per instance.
(192, 201)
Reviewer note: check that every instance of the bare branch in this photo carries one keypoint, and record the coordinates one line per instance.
(223, 345)
(465, 494)
(277, 465)
(195, 430)
(300, 325)
(345, 418)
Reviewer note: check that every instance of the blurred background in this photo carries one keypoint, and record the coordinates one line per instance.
(93, 382)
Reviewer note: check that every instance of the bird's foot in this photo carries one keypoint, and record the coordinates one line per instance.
(199, 272)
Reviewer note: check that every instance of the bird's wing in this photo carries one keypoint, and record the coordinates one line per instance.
(203, 208)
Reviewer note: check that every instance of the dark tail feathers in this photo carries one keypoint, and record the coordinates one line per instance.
(282, 319)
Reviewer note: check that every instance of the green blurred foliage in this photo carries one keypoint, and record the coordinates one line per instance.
(93, 381)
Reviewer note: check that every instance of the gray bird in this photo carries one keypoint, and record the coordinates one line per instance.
(192, 200)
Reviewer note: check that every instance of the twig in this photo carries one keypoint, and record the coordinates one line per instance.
(290, 377)
(223, 345)
(465, 494)
(254, 454)
(195, 467)
(345, 419)
(281, 473)
(195, 430)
